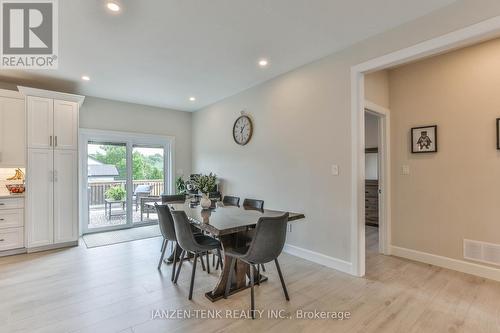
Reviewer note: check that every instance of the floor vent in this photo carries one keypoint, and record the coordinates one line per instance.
(481, 251)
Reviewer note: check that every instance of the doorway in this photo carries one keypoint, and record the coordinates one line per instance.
(372, 189)
(121, 176)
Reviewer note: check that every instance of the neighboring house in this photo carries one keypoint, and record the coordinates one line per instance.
(97, 171)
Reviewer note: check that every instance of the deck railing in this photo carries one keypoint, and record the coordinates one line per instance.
(97, 190)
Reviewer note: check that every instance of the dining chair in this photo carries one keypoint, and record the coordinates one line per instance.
(190, 244)
(253, 204)
(167, 229)
(231, 201)
(173, 198)
(266, 246)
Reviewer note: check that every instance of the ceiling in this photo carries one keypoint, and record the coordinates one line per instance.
(161, 52)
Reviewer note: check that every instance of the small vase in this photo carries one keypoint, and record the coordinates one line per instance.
(205, 202)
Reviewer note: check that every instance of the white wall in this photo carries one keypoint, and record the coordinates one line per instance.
(103, 114)
(453, 192)
(302, 126)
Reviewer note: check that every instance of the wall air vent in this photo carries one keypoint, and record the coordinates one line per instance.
(487, 253)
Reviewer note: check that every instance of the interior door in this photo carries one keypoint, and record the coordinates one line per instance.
(65, 125)
(40, 197)
(40, 122)
(65, 196)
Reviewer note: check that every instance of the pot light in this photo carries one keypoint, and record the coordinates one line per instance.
(263, 62)
(113, 6)
(85, 78)
(192, 99)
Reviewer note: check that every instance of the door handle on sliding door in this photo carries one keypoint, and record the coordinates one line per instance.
(50, 141)
(55, 141)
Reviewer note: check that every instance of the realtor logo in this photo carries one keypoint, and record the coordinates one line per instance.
(29, 34)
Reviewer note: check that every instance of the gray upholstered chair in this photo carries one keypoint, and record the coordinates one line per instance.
(253, 204)
(231, 201)
(266, 246)
(198, 245)
(173, 198)
(167, 229)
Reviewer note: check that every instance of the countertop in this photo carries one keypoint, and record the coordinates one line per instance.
(7, 195)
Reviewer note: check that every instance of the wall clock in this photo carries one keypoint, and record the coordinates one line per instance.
(242, 130)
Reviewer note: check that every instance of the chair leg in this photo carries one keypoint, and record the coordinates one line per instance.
(192, 275)
(162, 245)
(258, 275)
(174, 263)
(208, 262)
(202, 262)
(230, 277)
(252, 296)
(164, 248)
(180, 265)
(281, 279)
(213, 259)
(263, 267)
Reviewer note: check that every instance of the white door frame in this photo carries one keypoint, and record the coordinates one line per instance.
(130, 139)
(384, 170)
(481, 31)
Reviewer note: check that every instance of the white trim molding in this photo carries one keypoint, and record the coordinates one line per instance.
(28, 91)
(460, 38)
(449, 263)
(319, 258)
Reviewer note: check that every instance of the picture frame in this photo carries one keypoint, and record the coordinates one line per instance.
(498, 133)
(424, 139)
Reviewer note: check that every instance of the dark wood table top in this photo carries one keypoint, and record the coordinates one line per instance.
(224, 220)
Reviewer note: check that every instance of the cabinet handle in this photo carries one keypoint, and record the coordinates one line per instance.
(1, 240)
(2, 219)
(2, 204)
(55, 141)
(50, 141)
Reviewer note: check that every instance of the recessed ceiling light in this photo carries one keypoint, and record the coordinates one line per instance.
(85, 78)
(113, 6)
(263, 62)
(192, 99)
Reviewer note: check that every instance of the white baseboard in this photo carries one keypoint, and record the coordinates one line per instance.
(52, 247)
(454, 264)
(319, 258)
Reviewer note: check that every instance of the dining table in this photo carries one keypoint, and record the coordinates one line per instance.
(232, 226)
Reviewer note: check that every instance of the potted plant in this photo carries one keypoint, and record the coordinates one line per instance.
(116, 193)
(180, 185)
(205, 184)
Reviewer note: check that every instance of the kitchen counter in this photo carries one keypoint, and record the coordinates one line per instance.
(7, 195)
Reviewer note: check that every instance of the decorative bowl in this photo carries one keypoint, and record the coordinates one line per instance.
(15, 188)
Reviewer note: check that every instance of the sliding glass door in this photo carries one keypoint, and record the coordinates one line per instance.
(122, 175)
(106, 184)
(148, 170)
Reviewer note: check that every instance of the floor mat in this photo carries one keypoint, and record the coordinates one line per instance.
(121, 236)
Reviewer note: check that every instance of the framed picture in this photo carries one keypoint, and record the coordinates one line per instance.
(498, 133)
(424, 139)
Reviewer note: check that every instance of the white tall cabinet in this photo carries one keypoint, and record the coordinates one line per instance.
(52, 168)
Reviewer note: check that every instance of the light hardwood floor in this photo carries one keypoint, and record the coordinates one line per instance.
(115, 288)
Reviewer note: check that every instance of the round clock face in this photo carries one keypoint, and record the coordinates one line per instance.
(242, 130)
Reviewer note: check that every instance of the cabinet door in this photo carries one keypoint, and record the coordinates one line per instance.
(39, 197)
(65, 196)
(40, 122)
(12, 132)
(65, 125)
